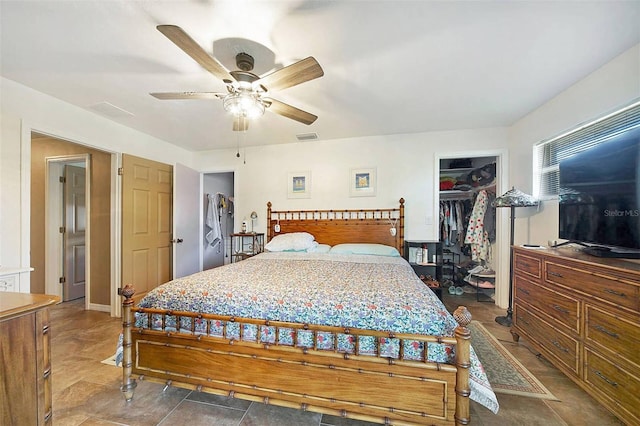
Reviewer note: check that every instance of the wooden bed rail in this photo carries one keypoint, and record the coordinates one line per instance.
(256, 351)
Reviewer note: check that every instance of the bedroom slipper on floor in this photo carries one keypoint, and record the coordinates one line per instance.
(456, 291)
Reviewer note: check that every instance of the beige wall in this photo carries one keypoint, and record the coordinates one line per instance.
(99, 222)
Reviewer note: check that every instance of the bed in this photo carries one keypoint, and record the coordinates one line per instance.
(335, 328)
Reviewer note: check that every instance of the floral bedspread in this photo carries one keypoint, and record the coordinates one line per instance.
(358, 291)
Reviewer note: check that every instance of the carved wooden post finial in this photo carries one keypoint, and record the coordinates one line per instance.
(462, 316)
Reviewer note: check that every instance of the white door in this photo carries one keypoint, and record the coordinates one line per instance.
(74, 232)
(187, 218)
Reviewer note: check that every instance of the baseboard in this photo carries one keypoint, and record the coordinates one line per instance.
(101, 308)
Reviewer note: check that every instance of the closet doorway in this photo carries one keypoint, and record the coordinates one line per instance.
(467, 185)
(218, 202)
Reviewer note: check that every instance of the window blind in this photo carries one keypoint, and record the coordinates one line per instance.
(548, 154)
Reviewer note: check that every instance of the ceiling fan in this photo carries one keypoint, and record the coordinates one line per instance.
(247, 93)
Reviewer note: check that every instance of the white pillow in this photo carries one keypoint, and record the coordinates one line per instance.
(293, 241)
(320, 248)
(363, 248)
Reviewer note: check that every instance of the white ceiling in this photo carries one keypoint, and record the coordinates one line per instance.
(390, 66)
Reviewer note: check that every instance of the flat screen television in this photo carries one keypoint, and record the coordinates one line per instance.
(599, 197)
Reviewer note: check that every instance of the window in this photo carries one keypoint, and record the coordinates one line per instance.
(548, 154)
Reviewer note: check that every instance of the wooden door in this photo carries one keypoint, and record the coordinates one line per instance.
(146, 223)
(75, 224)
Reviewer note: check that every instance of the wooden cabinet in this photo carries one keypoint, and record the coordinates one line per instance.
(582, 314)
(25, 359)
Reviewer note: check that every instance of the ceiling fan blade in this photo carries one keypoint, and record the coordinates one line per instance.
(240, 124)
(193, 49)
(290, 112)
(187, 95)
(299, 72)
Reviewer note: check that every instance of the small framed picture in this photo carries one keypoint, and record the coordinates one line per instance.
(299, 185)
(362, 182)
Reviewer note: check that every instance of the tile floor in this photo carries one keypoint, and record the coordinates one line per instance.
(86, 392)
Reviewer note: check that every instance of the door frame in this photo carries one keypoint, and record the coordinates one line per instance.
(501, 253)
(54, 256)
(25, 206)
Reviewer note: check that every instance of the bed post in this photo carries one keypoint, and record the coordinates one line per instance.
(128, 383)
(463, 363)
(401, 219)
(268, 221)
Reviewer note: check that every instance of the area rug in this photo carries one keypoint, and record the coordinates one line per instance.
(110, 361)
(506, 374)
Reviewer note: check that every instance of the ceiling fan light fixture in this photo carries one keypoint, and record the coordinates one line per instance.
(243, 104)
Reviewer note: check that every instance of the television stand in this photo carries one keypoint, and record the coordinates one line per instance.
(601, 251)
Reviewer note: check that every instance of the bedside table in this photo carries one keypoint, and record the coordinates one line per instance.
(429, 267)
(244, 245)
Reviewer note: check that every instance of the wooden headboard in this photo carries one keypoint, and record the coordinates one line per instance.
(342, 226)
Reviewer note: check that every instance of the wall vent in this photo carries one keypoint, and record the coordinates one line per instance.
(304, 137)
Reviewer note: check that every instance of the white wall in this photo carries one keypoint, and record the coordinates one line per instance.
(22, 110)
(611, 87)
(405, 168)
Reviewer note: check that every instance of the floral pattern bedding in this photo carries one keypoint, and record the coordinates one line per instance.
(358, 291)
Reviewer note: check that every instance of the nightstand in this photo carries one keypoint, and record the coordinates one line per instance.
(429, 267)
(244, 245)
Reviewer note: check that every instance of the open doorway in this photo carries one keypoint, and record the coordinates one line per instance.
(218, 223)
(466, 181)
(49, 156)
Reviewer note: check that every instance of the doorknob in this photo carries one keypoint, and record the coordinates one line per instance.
(179, 240)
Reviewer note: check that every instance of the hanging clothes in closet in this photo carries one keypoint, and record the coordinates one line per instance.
(216, 205)
(481, 225)
(453, 220)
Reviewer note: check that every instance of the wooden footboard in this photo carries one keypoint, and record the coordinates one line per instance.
(369, 387)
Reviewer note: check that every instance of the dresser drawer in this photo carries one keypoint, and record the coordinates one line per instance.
(8, 283)
(559, 345)
(608, 288)
(619, 336)
(618, 386)
(562, 308)
(527, 265)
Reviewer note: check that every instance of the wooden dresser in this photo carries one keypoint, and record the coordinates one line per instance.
(581, 313)
(25, 359)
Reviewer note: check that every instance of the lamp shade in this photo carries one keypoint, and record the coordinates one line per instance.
(515, 198)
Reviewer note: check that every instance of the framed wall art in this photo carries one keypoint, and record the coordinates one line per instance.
(299, 185)
(362, 182)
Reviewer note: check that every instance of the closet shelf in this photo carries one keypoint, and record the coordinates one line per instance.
(456, 195)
